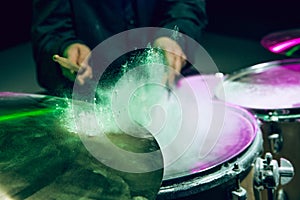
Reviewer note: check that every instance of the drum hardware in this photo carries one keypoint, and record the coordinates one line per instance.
(275, 142)
(279, 115)
(268, 174)
(270, 91)
(275, 138)
(239, 193)
(281, 195)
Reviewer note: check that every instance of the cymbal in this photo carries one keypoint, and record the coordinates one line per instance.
(40, 158)
(286, 42)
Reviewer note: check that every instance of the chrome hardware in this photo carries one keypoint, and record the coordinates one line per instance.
(275, 142)
(239, 193)
(268, 175)
(275, 137)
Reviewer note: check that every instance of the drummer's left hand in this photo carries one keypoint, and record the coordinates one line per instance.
(174, 56)
(75, 60)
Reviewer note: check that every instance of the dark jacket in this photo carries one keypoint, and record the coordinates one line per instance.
(58, 23)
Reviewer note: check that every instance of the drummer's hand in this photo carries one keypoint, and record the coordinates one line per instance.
(174, 55)
(73, 60)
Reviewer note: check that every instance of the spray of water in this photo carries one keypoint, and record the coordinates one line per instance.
(123, 106)
(137, 103)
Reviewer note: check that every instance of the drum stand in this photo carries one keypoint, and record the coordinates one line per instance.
(268, 174)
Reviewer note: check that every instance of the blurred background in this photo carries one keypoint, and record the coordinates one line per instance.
(232, 37)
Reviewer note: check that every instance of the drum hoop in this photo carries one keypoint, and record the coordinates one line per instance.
(259, 68)
(17, 94)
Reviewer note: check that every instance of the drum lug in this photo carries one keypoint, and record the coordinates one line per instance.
(239, 193)
(268, 174)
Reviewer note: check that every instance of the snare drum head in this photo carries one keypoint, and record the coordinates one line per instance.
(271, 85)
(224, 131)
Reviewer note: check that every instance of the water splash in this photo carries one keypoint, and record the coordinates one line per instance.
(128, 92)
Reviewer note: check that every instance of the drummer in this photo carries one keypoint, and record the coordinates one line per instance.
(65, 31)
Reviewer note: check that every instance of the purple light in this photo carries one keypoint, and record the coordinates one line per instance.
(280, 47)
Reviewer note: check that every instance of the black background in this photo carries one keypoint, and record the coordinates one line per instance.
(238, 18)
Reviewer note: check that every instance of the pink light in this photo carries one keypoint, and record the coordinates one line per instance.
(280, 47)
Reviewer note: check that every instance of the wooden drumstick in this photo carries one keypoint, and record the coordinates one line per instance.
(66, 63)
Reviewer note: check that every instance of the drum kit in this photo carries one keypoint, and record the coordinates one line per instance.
(253, 155)
(270, 93)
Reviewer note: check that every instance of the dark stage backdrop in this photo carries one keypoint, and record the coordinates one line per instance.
(251, 18)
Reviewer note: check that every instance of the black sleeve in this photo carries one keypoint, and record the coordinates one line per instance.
(188, 15)
(52, 30)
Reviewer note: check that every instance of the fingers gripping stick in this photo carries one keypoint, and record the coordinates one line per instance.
(66, 63)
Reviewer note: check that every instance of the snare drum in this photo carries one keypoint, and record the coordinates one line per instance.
(271, 91)
(213, 166)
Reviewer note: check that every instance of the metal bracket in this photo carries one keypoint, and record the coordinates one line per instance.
(268, 175)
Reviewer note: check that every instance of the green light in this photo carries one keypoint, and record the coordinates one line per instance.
(25, 114)
(292, 51)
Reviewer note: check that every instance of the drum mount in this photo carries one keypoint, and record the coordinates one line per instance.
(268, 174)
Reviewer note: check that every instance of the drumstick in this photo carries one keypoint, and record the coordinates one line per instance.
(66, 63)
(169, 89)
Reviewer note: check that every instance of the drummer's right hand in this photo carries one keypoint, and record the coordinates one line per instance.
(74, 63)
(174, 56)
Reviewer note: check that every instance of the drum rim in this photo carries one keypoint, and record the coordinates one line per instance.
(23, 94)
(264, 65)
(259, 68)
